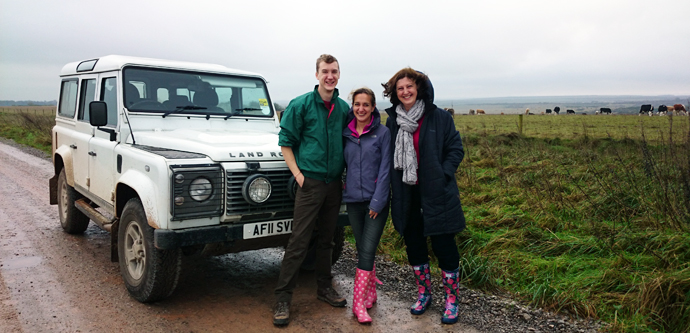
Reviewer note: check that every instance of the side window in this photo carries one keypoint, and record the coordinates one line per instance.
(109, 96)
(88, 94)
(68, 98)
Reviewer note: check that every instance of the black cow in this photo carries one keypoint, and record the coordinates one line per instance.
(557, 109)
(569, 112)
(646, 109)
(548, 111)
(662, 109)
(605, 110)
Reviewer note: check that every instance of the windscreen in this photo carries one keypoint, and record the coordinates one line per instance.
(186, 92)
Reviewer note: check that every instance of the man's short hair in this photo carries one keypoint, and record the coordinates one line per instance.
(327, 58)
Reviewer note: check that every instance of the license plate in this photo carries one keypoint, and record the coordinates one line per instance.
(265, 229)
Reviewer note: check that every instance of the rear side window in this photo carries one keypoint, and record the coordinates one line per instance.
(88, 94)
(68, 98)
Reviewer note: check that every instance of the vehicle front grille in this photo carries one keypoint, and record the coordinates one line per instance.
(279, 201)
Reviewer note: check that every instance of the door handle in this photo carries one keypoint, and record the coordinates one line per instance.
(73, 146)
(92, 153)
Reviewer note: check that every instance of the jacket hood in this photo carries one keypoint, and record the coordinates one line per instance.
(218, 145)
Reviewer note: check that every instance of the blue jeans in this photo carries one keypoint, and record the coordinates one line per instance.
(367, 232)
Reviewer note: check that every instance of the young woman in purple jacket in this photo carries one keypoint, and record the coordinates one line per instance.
(366, 191)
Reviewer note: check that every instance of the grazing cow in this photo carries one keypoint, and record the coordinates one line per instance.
(471, 111)
(527, 111)
(669, 110)
(646, 109)
(557, 109)
(480, 111)
(662, 110)
(450, 110)
(548, 111)
(542, 113)
(569, 111)
(605, 110)
(679, 109)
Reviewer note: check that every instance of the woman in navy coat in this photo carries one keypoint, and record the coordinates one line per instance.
(427, 151)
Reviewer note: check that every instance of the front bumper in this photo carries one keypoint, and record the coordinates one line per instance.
(172, 239)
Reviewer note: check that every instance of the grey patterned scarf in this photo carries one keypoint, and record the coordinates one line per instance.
(405, 158)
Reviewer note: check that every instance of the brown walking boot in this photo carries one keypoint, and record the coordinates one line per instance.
(281, 314)
(330, 296)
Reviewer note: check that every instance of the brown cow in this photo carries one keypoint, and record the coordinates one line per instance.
(527, 111)
(450, 110)
(480, 111)
(680, 109)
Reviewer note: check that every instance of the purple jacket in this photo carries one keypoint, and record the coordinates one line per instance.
(368, 163)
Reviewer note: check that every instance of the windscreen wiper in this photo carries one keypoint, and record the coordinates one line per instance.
(183, 108)
(242, 109)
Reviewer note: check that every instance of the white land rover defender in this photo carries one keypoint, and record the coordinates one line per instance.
(171, 158)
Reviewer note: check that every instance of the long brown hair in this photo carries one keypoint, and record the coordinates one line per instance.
(419, 78)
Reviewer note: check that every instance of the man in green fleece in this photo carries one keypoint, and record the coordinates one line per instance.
(311, 143)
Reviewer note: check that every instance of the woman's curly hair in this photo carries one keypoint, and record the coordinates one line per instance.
(419, 78)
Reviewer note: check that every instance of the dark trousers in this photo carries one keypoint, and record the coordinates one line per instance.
(317, 204)
(367, 232)
(444, 246)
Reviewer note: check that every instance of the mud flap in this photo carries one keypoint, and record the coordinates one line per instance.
(114, 257)
(52, 185)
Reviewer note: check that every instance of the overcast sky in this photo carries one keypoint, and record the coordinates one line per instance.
(469, 49)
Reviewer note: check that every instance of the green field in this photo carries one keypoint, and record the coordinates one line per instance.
(586, 215)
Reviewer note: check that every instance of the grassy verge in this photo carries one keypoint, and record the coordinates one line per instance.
(29, 126)
(594, 225)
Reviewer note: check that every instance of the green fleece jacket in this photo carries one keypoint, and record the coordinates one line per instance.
(316, 139)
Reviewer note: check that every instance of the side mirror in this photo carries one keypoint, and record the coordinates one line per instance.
(98, 113)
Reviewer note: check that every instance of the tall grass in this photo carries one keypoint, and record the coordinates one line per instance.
(591, 224)
(30, 126)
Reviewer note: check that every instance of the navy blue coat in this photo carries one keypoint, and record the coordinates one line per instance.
(440, 154)
(368, 159)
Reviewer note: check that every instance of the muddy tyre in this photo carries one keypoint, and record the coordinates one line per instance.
(150, 274)
(72, 220)
(339, 241)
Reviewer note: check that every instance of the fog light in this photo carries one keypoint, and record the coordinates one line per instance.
(256, 189)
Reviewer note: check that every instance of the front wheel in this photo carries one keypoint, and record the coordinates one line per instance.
(150, 274)
(72, 220)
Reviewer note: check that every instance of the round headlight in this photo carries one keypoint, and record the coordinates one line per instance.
(200, 189)
(256, 189)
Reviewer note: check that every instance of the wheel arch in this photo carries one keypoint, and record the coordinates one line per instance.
(135, 184)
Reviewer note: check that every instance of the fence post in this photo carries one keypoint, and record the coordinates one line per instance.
(520, 124)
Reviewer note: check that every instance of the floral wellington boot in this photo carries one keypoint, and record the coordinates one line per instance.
(422, 276)
(451, 288)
